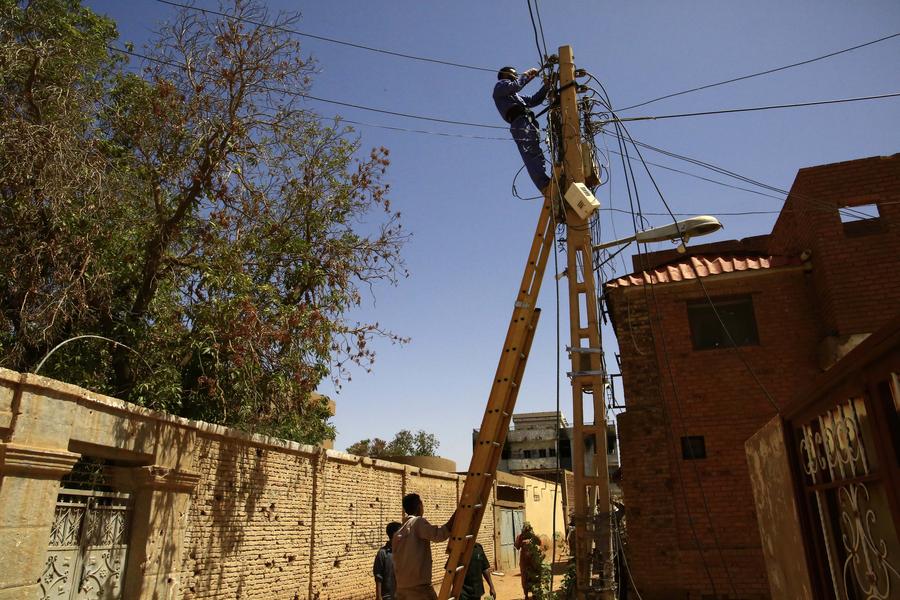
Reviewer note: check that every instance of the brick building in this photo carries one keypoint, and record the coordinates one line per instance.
(794, 302)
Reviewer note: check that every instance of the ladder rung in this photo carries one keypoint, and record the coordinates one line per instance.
(577, 374)
(593, 481)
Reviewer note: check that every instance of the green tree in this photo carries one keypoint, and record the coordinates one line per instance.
(405, 443)
(194, 211)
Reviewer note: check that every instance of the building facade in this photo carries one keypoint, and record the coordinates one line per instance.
(716, 342)
(531, 445)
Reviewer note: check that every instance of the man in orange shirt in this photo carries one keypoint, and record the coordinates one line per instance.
(412, 551)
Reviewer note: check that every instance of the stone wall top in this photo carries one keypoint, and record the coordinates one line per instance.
(54, 388)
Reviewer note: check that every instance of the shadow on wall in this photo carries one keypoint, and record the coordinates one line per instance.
(229, 499)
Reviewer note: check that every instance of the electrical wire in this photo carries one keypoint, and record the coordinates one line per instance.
(744, 178)
(537, 11)
(309, 96)
(635, 199)
(781, 193)
(759, 108)
(625, 561)
(327, 39)
(760, 73)
(681, 483)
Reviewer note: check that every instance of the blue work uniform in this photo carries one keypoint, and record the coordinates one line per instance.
(513, 107)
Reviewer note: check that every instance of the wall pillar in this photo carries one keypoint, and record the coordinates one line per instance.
(161, 497)
(28, 489)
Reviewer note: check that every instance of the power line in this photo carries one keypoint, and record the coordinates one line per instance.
(620, 126)
(464, 123)
(755, 108)
(781, 193)
(309, 96)
(760, 73)
(723, 171)
(328, 39)
(626, 168)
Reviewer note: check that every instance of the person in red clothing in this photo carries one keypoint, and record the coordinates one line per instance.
(529, 547)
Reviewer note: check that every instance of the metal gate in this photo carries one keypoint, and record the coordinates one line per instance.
(848, 446)
(511, 521)
(89, 538)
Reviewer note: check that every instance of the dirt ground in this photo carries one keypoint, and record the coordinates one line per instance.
(509, 584)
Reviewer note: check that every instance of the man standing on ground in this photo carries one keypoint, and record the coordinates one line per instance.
(412, 551)
(513, 107)
(530, 557)
(383, 569)
(479, 567)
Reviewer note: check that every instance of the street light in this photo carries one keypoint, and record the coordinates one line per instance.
(681, 230)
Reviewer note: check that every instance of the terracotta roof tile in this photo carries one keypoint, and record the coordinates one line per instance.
(693, 267)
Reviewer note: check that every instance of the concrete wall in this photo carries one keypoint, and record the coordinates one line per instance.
(539, 507)
(218, 513)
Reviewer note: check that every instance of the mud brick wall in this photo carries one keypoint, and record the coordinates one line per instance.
(294, 522)
(214, 512)
(354, 504)
(250, 523)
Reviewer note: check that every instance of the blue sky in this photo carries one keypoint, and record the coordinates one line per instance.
(471, 236)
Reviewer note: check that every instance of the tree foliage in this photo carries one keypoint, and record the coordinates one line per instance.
(405, 443)
(192, 209)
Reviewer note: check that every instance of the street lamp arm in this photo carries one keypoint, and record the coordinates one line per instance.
(681, 230)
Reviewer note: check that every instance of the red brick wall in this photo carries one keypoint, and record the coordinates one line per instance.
(851, 288)
(854, 277)
(717, 398)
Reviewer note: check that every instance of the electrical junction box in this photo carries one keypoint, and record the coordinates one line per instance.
(581, 200)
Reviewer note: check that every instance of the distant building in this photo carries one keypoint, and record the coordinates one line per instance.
(531, 446)
(793, 303)
(328, 444)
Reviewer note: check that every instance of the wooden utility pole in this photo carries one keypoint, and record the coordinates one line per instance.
(591, 502)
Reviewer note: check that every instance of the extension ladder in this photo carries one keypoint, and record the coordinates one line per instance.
(495, 424)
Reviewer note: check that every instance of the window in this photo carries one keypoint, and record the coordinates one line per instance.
(736, 314)
(693, 447)
(526, 453)
(551, 452)
(861, 220)
(542, 453)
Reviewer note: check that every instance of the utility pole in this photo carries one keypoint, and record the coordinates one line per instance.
(591, 515)
(591, 502)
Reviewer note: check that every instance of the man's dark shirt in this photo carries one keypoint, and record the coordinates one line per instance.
(384, 572)
(473, 584)
(506, 95)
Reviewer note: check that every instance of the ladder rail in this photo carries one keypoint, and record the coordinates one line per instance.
(498, 412)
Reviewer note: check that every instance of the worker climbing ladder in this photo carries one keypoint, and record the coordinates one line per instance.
(495, 424)
(594, 577)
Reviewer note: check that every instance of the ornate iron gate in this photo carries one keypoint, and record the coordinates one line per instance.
(848, 450)
(89, 539)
